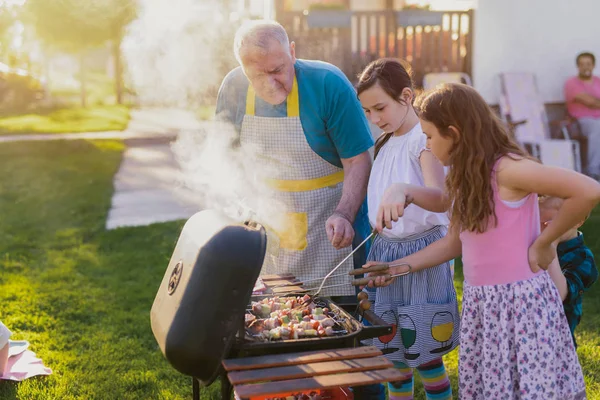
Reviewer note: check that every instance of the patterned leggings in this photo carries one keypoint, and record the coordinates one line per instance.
(434, 377)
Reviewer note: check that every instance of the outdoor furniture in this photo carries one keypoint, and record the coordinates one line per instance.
(523, 109)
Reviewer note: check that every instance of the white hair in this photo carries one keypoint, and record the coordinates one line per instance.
(259, 33)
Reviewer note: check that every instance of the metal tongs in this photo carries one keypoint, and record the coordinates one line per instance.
(330, 274)
(383, 268)
(359, 271)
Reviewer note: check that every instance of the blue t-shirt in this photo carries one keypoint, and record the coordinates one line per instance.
(331, 115)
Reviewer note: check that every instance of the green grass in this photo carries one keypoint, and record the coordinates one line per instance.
(100, 88)
(82, 295)
(588, 332)
(79, 294)
(92, 119)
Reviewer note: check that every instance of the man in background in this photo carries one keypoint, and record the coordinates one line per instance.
(582, 95)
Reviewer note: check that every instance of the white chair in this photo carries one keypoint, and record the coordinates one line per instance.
(520, 101)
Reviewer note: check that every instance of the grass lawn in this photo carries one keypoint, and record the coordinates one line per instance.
(100, 88)
(82, 295)
(91, 119)
(79, 294)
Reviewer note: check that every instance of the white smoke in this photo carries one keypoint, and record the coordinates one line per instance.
(228, 178)
(178, 49)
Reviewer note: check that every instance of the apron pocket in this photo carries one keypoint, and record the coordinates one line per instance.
(295, 231)
(428, 331)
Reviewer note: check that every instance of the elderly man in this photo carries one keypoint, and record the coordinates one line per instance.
(304, 117)
(582, 94)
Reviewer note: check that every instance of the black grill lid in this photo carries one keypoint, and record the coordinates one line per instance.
(205, 290)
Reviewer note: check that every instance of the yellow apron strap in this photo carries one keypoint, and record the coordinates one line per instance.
(250, 101)
(293, 104)
(307, 184)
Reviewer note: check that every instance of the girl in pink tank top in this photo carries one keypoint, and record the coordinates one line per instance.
(514, 339)
(507, 241)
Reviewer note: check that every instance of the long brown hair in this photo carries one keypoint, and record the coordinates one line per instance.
(393, 76)
(481, 140)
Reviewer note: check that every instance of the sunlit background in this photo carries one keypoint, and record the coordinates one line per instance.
(86, 65)
(174, 52)
(119, 68)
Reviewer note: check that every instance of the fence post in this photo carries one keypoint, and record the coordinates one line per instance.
(470, 37)
(279, 10)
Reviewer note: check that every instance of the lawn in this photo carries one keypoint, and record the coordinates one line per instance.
(99, 87)
(77, 119)
(82, 295)
(79, 294)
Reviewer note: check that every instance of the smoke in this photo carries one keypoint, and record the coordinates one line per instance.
(228, 178)
(177, 52)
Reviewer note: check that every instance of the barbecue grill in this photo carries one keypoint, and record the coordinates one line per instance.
(198, 314)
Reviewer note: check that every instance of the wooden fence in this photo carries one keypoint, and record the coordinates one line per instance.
(430, 41)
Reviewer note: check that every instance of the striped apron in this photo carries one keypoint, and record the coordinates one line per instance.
(422, 306)
(309, 188)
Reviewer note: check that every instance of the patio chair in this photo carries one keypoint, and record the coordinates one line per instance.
(433, 79)
(523, 109)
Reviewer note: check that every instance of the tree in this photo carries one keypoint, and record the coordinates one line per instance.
(7, 19)
(76, 26)
(118, 14)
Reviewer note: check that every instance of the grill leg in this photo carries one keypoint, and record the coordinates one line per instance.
(226, 388)
(195, 389)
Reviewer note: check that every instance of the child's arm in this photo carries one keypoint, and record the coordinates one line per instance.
(431, 197)
(558, 278)
(447, 248)
(580, 194)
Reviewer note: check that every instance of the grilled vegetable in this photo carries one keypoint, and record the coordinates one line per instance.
(276, 318)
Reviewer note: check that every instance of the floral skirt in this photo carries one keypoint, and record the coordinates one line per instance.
(515, 343)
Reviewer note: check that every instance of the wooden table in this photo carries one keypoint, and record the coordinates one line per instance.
(280, 375)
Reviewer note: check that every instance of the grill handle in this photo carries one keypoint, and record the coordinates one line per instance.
(378, 326)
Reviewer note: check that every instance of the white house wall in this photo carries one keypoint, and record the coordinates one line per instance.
(541, 36)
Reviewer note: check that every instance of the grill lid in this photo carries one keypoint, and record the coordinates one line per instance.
(202, 299)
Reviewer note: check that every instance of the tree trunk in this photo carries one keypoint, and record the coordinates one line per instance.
(118, 70)
(82, 78)
(46, 74)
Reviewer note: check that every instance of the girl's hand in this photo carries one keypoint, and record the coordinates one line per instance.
(393, 202)
(379, 277)
(541, 255)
